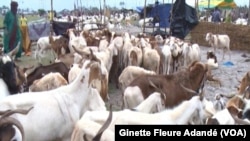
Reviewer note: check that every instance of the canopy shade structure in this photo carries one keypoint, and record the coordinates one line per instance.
(224, 4)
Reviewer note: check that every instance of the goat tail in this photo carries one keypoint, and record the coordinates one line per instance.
(38, 49)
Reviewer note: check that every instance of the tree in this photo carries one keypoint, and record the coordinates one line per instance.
(122, 3)
(41, 12)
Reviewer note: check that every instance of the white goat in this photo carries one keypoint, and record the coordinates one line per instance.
(78, 42)
(181, 114)
(57, 110)
(90, 128)
(130, 73)
(44, 45)
(73, 72)
(150, 57)
(49, 81)
(219, 41)
(191, 53)
(3, 89)
(154, 103)
(86, 129)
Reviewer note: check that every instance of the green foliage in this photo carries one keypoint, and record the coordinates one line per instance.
(41, 12)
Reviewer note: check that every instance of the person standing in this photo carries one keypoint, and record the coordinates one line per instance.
(216, 15)
(12, 33)
(25, 35)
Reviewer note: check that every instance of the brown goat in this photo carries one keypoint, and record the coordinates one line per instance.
(245, 81)
(59, 44)
(192, 78)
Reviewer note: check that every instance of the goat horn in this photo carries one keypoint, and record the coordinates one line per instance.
(157, 88)
(189, 90)
(15, 50)
(13, 121)
(82, 53)
(201, 94)
(10, 112)
(93, 57)
(104, 126)
(227, 96)
(246, 90)
(240, 121)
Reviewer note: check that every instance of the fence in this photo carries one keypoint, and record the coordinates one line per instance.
(239, 34)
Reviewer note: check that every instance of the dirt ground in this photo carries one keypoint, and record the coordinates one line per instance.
(229, 75)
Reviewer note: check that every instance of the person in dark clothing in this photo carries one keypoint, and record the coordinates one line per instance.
(12, 32)
(216, 15)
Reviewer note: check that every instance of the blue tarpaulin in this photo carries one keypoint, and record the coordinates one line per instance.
(160, 10)
(163, 11)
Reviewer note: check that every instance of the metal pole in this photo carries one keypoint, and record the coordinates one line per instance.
(144, 16)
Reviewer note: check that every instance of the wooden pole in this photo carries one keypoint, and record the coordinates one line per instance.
(104, 11)
(81, 14)
(52, 17)
(100, 10)
(208, 4)
(248, 14)
(171, 17)
(51, 6)
(144, 16)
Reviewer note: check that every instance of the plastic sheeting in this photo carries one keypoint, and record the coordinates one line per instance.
(184, 19)
(163, 12)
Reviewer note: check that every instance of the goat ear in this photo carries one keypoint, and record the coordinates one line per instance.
(201, 94)
(248, 75)
(233, 111)
(247, 89)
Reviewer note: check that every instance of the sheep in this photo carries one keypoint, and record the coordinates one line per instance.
(130, 73)
(10, 128)
(219, 41)
(49, 81)
(66, 104)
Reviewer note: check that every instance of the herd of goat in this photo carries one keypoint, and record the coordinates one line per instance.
(161, 79)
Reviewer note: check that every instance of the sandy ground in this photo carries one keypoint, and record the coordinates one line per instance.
(229, 75)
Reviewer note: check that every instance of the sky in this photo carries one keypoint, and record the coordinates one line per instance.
(59, 5)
